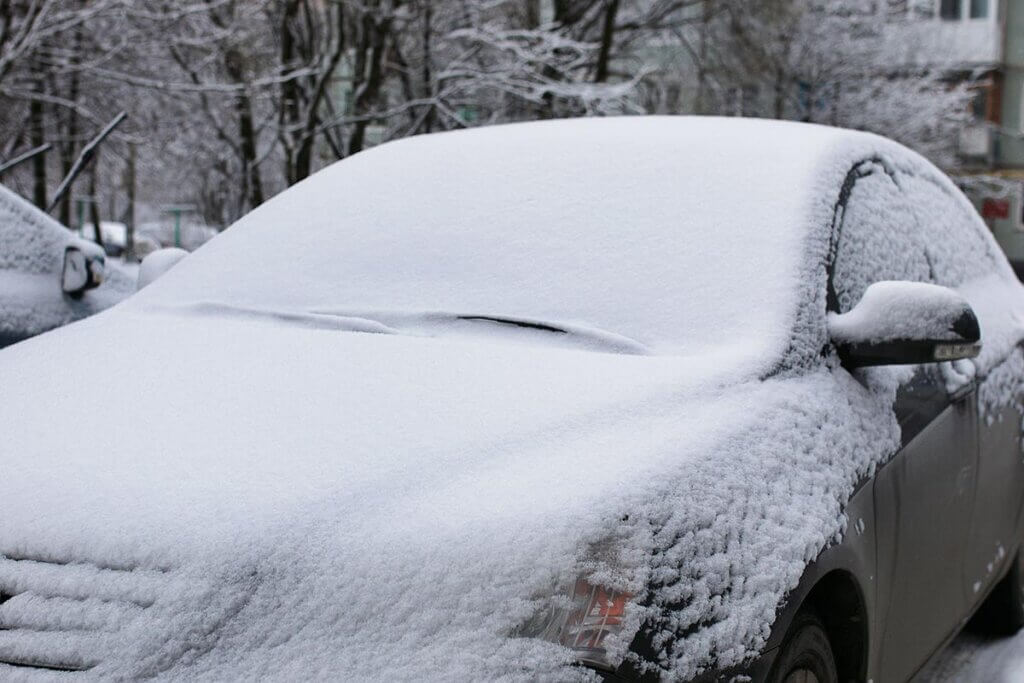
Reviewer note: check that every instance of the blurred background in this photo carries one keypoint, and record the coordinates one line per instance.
(229, 102)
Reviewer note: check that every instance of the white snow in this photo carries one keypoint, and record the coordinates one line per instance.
(900, 310)
(113, 232)
(157, 263)
(31, 256)
(326, 469)
(624, 230)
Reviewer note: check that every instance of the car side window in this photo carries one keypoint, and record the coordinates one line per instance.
(878, 239)
(957, 243)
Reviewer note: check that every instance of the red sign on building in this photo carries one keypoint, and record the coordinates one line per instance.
(995, 208)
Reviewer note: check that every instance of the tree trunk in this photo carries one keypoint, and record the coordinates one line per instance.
(37, 123)
(129, 221)
(780, 96)
(607, 38)
(94, 205)
(373, 39)
(252, 184)
(289, 116)
(69, 145)
(428, 78)
(702, 66)
(247, 134)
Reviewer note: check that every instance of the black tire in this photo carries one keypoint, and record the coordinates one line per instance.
(1002, 613)
(806, 655)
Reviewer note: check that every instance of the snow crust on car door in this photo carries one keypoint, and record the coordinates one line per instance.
(923, 495)
(960, 250)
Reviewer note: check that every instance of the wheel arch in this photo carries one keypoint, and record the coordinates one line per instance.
(838, 601)
(840, 586)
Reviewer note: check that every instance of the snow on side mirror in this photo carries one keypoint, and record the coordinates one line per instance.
(901, 323)
(83, 269)
(157, 263)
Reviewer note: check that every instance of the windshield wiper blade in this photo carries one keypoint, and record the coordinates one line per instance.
(531, 325)
(413, 322)
(598, 338)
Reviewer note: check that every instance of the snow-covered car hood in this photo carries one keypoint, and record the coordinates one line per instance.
(397, 511)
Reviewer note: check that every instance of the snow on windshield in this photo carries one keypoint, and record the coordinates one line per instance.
(670, 234)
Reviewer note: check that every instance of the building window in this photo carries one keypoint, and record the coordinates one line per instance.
(950, 9)
(922, 9)
(979, 9)
(979, 104)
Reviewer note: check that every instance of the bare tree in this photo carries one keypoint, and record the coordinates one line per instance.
(829, 61)
(231, 101)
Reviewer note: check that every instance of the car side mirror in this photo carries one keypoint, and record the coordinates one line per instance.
(83, 269)
(901, 323)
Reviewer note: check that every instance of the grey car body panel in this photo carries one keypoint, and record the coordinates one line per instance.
(995, 529)
(923, 504)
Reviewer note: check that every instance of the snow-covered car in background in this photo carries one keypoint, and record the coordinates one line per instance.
(48, 277)
(492, 404)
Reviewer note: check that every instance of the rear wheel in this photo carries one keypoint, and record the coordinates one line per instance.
(1002, 613)
(806, 655)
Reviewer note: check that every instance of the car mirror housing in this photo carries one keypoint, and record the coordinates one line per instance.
(83, 269)
(903, 323)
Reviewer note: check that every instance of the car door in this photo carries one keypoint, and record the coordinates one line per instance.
(923, 496)
(994, 532)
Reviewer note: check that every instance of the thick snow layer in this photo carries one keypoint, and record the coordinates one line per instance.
(623, 229)
(368, 430)
(354, 474)
(158, 263)
(900, 310)
(31, 257)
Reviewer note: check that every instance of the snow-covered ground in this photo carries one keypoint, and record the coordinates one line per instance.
(972, 657)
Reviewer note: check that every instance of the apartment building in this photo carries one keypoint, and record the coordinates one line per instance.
(982, 41)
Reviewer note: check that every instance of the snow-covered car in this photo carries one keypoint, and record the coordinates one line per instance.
(633, 397)
(48, 277)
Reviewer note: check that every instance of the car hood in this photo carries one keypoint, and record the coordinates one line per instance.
(247, 494)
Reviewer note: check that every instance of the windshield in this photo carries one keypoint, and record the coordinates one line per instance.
(656, 233)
